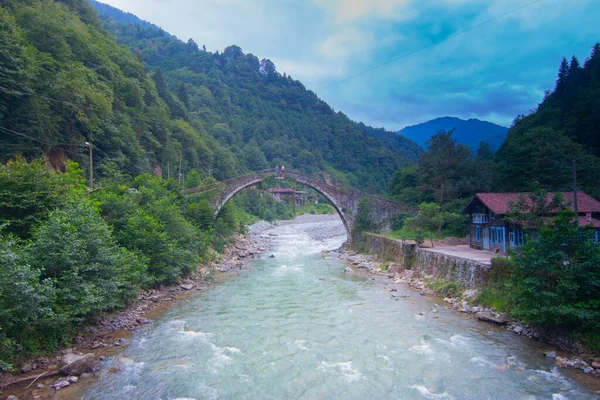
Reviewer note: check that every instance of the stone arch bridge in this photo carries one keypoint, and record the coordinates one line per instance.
(344, 200)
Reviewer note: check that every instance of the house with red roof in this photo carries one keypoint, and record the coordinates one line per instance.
(490, 230)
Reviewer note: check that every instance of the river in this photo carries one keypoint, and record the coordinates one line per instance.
(297, 326)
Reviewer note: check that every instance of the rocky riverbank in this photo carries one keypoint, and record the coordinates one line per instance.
(573, 354)
(41, 378)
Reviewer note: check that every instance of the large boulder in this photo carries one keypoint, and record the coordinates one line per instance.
(75, 364)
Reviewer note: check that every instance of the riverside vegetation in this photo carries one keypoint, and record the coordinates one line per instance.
(154, 106)
(67, 255)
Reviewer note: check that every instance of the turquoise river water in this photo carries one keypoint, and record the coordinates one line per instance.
(297, 326)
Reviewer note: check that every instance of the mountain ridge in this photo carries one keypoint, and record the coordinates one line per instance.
(470, 132)
(265, 118)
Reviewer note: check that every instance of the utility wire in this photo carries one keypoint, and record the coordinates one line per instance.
(410, 53)
(60, 144)
(34, 94)
(44, 141)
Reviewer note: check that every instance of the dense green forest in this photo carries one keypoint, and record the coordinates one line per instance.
(66, 253)
(265, 118)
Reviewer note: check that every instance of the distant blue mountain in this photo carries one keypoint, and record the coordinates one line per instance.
(470, 133)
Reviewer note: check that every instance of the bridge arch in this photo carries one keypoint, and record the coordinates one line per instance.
(298, 177)
(344, 200)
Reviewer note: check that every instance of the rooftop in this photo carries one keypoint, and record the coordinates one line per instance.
(499, 203)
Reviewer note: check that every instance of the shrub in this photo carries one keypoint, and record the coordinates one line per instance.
(25, 301)
(75, 249)
(30, 191)
(557, 278)
(365, 216)
(498, 295)
(444, 288)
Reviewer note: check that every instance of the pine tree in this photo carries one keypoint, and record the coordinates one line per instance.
(183, 95)
(563, 73)
(574, 66)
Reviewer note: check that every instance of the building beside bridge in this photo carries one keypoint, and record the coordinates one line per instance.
(292, 196)
(491, 231)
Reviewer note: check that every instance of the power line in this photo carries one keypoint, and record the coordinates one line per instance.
(44, 141)
(60, 144)
(34, 94)
(410, 53)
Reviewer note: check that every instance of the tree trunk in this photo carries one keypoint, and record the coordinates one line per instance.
(431, 239)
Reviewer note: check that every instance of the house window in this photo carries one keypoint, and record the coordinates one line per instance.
(511, 238)
(492, 215)
(499, 235)
(520, 237)
(478, 233)
(481, 219)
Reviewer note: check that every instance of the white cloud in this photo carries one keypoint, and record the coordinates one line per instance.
(308, 70)
(353, 10)
(344, 42)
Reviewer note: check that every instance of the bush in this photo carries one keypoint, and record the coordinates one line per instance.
(444, 288)
(149, 222)
(75, 249)
(498, 295)
(30, 191)
(557, 278)
(365, 216)
(25, 301)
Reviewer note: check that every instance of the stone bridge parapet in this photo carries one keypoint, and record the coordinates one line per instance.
(344, 200)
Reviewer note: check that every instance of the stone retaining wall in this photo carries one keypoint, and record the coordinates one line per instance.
(471, 273)
(424, 262)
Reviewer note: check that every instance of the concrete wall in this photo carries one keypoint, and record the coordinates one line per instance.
(451, 268)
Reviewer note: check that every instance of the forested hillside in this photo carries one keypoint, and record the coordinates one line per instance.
(565, 127)
(265, 118)
(65, 81)
(538, 151)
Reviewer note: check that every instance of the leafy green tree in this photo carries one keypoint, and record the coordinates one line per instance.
(254, 157)
(75, 249)
(557, 279)
(26, 301)
(406, 186)
(536, 209)
(30, 191)
(366, 217)
(443, 167)
(429, 219)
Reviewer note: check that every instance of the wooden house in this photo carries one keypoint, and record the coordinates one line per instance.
(490, 231)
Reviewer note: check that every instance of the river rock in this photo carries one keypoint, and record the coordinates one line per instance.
(489, 317)
(272, 256)
(11, 397)
(551, 354)
(75, 364)
(348, 270)
(61, 383)
(518, 329)
(186, 286)
(26, 368)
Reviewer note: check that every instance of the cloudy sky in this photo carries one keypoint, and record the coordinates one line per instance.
(493, 72)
